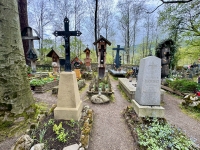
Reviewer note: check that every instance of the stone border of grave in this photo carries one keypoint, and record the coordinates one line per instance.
(46, 87)
(166, 88)
(87, 119)
(91, 93)
(128, 87)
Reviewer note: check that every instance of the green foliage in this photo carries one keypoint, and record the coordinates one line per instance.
(41, 135)
(40, 82)
(159, 135)
(183, 85)
(60, 132)
(71, 123)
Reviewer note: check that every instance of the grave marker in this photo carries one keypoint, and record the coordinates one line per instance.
(31, 54)
(117, 57)
(148, 92)
(69, 104)
(149, 82)
(101, 45)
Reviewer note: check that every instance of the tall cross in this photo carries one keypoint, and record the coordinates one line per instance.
(66, 35)
(117, 61)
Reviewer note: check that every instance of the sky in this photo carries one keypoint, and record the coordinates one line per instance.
(152, 5)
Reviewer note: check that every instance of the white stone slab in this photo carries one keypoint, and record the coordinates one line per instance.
(149, 82)
(148, 111)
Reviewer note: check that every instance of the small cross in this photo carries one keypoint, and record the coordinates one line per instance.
(117, 55)
(66, 35)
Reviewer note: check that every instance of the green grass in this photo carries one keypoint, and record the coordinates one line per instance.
(191, 111)
(123, 94)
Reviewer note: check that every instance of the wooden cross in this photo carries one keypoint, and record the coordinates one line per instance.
(27, 34)
(66, 35)
(117, 61)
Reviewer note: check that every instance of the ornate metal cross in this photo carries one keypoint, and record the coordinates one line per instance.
(117, 61)
(66, 35)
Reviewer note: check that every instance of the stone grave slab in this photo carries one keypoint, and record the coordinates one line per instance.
(117, 73)
(148, 90)
(149, 82)
(148, 111)
(69, 104)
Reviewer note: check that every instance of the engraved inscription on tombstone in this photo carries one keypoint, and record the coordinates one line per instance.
(149, 82)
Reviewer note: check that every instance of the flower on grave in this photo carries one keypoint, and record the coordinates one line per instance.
(129, 73)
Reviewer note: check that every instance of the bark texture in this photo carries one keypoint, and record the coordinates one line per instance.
(15, 93)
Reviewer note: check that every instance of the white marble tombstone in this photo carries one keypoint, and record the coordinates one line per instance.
(149, 82)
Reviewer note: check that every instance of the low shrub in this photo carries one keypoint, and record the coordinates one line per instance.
(157, 134)
(183, 85)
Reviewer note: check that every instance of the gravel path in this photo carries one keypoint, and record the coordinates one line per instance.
(110, 131)
(175, 116)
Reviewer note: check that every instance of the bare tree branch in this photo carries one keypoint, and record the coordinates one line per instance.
(165, 2)
(168, 2)
(149, 12)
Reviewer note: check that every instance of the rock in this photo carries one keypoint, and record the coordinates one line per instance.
(99, 99)
(39, 146)
(23, 143)
(40, 117)
(72, 147)
(81, 84)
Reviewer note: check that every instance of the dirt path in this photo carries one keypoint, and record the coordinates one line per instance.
(110, 131)
(174, 116)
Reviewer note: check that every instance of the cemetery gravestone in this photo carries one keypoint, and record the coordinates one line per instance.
(149, 82)
(69, 104)
(101, 45)
(31, 54)
(56, 56)
(87, 60)
(117, 57)
(147, 95)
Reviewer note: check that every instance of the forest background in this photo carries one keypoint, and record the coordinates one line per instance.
(137, 25)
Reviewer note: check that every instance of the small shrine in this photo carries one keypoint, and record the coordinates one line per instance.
(101, 46)
(165, 50)
(56, 56)
(87, 60)
(76, 64)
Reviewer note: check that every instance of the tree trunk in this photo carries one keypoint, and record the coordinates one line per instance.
(15, 93)
(95, 27)
(22, 7)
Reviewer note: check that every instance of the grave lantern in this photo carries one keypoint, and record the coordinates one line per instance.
(101, 46)
(87, 60)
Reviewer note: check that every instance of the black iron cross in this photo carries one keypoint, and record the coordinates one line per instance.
(66, 35)
(117, 61)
